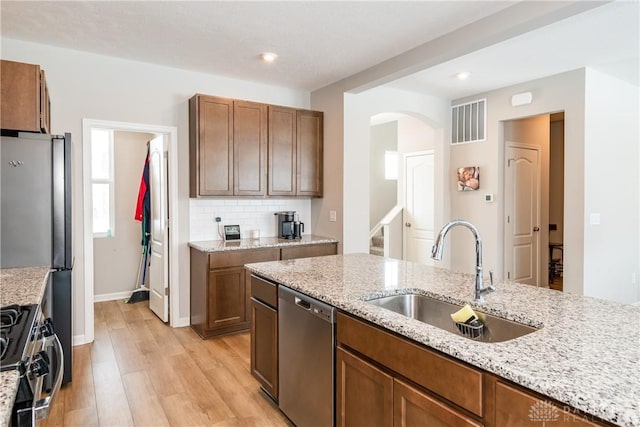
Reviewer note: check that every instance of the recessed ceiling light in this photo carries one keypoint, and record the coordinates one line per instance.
(463, 75)
(268, 56)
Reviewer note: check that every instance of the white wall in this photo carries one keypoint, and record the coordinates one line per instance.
(92, 86)
(383, 193)
(358, 110)
(610, 186)
(562, 92)
(250, 214)
(116, 258)
(601, 152)
(416, 135)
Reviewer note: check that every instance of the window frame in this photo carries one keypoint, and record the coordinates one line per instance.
(110, 181)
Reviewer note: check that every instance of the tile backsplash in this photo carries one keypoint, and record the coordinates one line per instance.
(250, 214)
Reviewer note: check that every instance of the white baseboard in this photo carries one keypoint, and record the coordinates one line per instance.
(637, 303)
(183, 321)
(78, 340)
(112, 297)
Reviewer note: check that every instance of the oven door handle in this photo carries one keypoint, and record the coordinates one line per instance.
(43, 406)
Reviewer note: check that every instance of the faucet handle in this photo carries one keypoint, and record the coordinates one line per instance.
(491, 288)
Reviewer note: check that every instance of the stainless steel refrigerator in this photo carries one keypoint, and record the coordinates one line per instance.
(35, 219)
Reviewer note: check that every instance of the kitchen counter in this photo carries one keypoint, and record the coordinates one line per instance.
(264, 242)
(586, 353)
(21, 286)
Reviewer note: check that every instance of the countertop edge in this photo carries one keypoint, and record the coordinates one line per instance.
(212, 246)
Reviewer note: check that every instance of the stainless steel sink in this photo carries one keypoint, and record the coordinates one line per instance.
(438, 313)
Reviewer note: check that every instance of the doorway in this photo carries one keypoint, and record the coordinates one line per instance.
(402, 186)
(534, 200)
(419, 212)
(169, 137)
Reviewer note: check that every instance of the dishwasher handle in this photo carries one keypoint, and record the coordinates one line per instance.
(302, 303)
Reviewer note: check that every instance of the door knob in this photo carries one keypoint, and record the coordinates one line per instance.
(536, 229)
(408, 224)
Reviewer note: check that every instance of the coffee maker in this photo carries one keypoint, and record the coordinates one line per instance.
(289, 227)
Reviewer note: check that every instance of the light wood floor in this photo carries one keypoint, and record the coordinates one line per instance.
(140, 372)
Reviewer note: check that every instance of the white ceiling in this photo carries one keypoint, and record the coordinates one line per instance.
(320, 42)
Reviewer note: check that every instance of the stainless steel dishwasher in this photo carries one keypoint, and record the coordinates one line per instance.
(306, 359)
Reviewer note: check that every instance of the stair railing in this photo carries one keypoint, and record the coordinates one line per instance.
(392, 230)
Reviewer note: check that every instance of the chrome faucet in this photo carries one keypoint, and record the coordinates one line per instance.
(436, 253)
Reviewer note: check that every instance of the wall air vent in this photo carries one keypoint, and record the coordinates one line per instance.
(469, 122)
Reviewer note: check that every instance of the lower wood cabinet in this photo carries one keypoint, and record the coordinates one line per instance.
(517, 407)
(383, 379)
(369, 396)
(264, 335)
(221, 287)
(364, 393)
(413, 407)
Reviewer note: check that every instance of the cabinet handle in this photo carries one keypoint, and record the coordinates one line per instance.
(408, 224)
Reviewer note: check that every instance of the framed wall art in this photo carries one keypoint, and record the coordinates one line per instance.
(468, 178)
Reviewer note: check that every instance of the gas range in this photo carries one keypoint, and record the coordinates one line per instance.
(29, 345)
(17, 324)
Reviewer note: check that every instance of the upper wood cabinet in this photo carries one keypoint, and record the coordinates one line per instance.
(282, 151)
(25, 98)
(228, 147)
(295, 152)
(241, 148)
(310, 136)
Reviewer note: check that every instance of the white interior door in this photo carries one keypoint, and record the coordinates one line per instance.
(419, 210)
(522, 215)
(158, 264)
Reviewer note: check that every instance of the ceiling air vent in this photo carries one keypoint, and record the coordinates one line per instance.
(469, 122)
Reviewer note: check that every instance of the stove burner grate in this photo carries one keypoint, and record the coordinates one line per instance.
(16, 326)
(9, 316)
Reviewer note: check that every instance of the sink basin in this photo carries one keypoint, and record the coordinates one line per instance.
(438, 313)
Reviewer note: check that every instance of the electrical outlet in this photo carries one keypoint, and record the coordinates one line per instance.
(218, 219)
(332, 216)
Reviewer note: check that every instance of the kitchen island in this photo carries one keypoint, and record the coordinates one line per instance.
(585, 354)
(22, 286)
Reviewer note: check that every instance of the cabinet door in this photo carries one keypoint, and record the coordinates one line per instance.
(310, 134)
(282, 151)
(515, 407)
(20, 89)
(364, 394)
(45, 105)
(211, 146)
(225, 297)
(412, 407)
(249, 148)
(264, 346)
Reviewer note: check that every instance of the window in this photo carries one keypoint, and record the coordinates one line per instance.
(102, 182)
(390, 165)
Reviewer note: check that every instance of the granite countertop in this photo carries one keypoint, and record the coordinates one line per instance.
(263, 242)
(586, 353)
(21, 286)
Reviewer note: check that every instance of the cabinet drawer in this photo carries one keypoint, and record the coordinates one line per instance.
(307, 251)
(242, 257)
(450, 379)
(264, 291)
